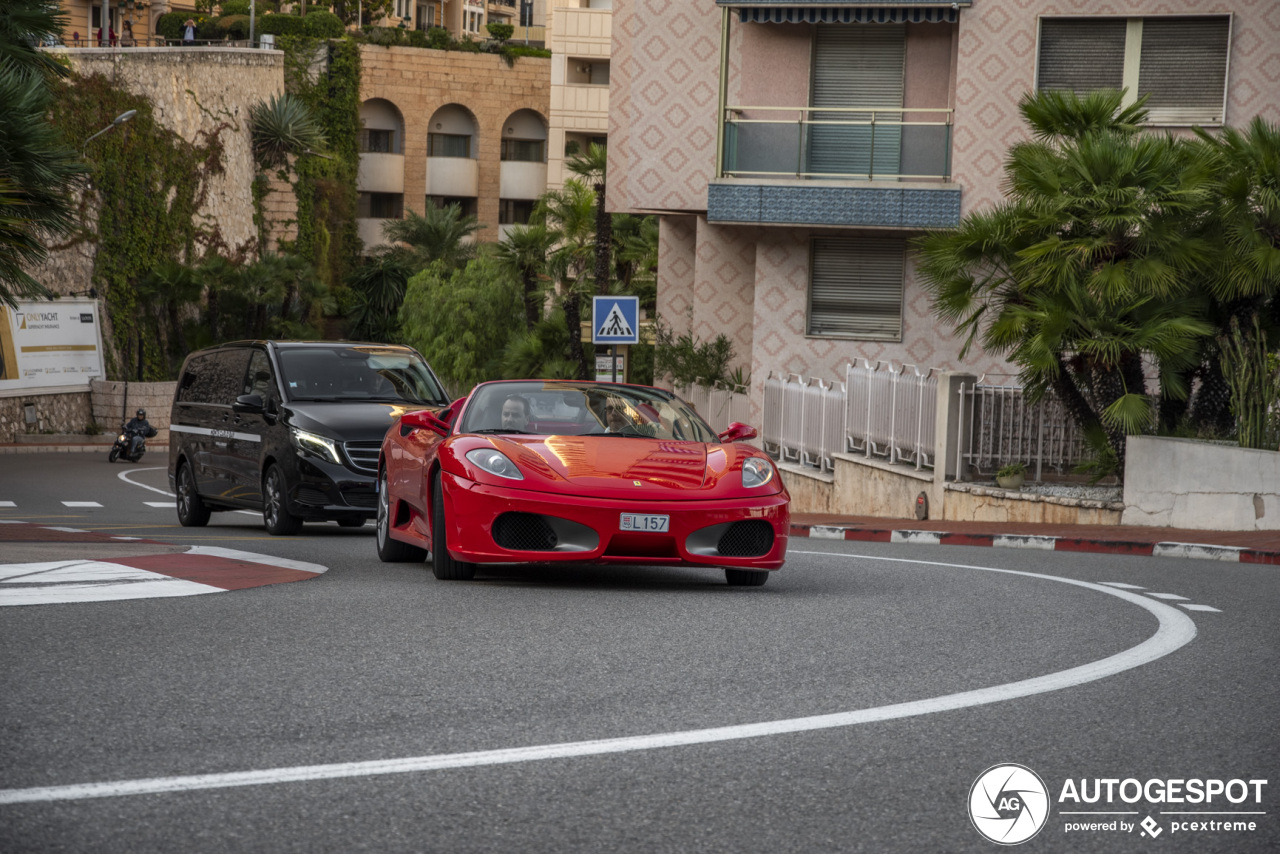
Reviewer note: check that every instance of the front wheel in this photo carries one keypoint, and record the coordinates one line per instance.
(746, 577)
(275, 509)
(442, 564)
(114, 455)
(192, 512)
(389, 550)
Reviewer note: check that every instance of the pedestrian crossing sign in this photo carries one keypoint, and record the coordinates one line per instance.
(615, 320)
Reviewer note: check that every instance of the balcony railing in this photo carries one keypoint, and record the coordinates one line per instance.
(842, 143)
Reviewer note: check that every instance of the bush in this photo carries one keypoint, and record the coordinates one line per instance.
(280, 25)
(233, 26)
(512, 51)
(438, 38)
(417, 38)
(238, 7)
(323, 25)
(385, 36)
(501, 32)
(467, 46)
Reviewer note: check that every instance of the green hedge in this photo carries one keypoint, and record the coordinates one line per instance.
(171, 24)
(323, 25)
(234, 26)
(280, 25)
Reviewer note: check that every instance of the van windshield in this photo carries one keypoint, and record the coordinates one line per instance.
(359, 373)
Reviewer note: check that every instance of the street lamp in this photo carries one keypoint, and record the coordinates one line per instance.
(116, 122)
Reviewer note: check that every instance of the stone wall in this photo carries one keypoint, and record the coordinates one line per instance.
(54, 413)
(117, 401)
(1183, 483)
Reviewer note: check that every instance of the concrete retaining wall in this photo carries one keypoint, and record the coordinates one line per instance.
(1183, 483)
(63, 412)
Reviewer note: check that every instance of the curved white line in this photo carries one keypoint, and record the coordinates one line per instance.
(1176, 630)
(124, 475)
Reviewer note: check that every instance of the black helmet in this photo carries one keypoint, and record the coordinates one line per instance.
(141, 413)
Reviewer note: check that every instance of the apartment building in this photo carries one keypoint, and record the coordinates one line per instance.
(85, 17)
(793, 150)
(580, 38)
(447, 127)
(465, 18)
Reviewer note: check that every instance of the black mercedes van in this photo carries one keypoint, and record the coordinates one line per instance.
(291, 428)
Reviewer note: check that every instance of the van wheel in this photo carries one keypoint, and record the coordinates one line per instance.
(275, 510)
(353, 522)
(192, 512)
(444, 566)
(389, 550)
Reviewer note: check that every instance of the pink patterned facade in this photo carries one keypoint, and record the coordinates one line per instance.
(751, 282)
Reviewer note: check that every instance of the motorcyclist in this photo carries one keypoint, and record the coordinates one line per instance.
(138, 429)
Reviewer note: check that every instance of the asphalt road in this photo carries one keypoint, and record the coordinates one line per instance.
(375, 661)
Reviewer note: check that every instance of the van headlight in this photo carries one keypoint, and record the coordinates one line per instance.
(317, 446)
(495, 463)
(756, 472)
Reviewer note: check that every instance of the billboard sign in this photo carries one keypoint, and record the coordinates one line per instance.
(49, 344)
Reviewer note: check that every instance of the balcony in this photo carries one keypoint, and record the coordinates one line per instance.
(522, 180)
(844, 166)
(380, 173)
(453, 176)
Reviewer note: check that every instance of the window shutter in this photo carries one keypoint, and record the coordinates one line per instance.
(1184, 68)
(855, 288)
(857, 65)
(1081, 54)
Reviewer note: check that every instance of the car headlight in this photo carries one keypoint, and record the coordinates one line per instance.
(495, 463)
(756, 472)
(319, 446)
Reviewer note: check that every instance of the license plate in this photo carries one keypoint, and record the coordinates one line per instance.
(647, 523)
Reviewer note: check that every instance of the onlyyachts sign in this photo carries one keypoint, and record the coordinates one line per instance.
(45, 344)
(1010, 804)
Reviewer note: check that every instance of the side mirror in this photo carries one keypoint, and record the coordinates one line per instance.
(422, 419)
(737, 432)
(248, 404)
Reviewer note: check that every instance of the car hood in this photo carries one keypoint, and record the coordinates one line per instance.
(620, 467)
(360, 421)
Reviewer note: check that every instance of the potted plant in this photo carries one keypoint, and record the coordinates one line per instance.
(1011, 476)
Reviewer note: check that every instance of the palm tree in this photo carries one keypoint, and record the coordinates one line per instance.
(591, 167)
(379, 285)
(524, 251)
(569, 213)
(174, 286)
(438, 234)
(1089, 265)
(635, 250)
(38, 171)
(281, 127)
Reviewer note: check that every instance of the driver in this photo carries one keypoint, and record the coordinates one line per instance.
(137, 429)
(515, 413)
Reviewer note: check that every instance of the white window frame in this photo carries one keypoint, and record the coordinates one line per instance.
(1132, 63)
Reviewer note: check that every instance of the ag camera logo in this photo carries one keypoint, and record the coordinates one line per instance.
(1008, 804)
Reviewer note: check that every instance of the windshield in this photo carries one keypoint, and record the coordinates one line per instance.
(582, 409)
(359, 373)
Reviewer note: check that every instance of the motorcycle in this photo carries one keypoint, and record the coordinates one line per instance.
(124, 444)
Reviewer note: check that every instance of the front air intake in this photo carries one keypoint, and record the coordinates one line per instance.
(746, 538)
(524, 532)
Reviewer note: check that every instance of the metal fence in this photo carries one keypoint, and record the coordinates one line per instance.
(999, 426)
(718, 407)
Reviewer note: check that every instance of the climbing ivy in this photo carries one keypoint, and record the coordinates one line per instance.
(141, 206)
(325, 74)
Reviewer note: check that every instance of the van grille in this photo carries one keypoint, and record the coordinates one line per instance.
(363, 455)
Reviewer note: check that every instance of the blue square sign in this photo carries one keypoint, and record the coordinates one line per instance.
(615, 320)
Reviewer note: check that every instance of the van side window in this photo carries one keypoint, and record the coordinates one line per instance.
(215, 377)
(258, 379)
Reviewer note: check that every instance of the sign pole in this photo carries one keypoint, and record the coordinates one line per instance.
(613, 368)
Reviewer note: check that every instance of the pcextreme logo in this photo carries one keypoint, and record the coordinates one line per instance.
(1010, 803)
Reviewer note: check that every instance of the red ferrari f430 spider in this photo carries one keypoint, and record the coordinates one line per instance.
(538, 471)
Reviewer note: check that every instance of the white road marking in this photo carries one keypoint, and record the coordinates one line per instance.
(161, 503)
(124, 476)
(7, 504)
(1176, 630)
(1168, 596)
(66, 530)
(81, 504)
(11, 522)
(62, 582)
(1122, 584)
(216, 551)
(1202, 608)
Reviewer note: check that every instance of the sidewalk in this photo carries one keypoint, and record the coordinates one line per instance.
(1234, 546)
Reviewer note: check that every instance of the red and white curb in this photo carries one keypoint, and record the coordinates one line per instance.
(1198, 551)
(200, 569)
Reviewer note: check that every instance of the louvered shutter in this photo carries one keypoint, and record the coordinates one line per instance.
(1081, 54)
(855, 288)
(857, 65)
(1184, 68)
